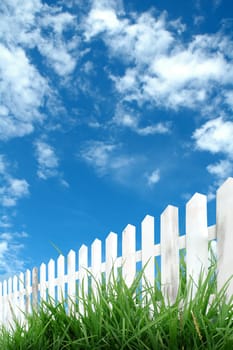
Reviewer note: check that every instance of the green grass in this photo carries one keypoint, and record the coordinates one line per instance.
(119, 318)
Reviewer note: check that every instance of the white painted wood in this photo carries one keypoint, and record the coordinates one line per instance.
(83, 275)
(61, 280)
(71, 260)
(111, 256)
(148, 260)
(35, 288)
(224, 228)
(128, 254)
(96, 260)
(43, 282)
(196, 239)
(169, 253)
(28, 291)
(5, 303)
(51, 278)
(10, 304)
(15, 299)
(1, 304)
(21, 297)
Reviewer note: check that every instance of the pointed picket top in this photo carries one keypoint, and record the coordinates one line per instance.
(128, 254)
(147, 243)
(169, 227)
(60, 260)
(224, 230)
(196, 238)
(226, 186)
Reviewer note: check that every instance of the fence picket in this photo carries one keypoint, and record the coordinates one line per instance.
(71, 260)
(169, 254)
(83, 275)
(147, 243)
(35, 288)
(60, 276)
(23, 292)
(5, 303)
(21, 297)
(224, 226)
(196, 238)
(110, 257)
(96, 253)
(128, 254)
(51, 277)
(28, 291)
(15, 299)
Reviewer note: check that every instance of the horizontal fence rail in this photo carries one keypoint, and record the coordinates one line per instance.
(66, 278)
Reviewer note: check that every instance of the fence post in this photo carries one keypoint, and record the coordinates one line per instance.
(169, 254)
(128, 254)
(224, 228)
(196, 239)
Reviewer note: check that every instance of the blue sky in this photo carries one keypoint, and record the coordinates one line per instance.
(109, 110)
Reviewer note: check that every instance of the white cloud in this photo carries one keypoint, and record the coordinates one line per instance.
(5, 221)
(24, 28)
(106, 158)
(47, 160)
(11, 246)
(221, 170)
(215, 136)
(160, 68)
(153, 178)
(22, 91)
(131, 120)
(11, 189)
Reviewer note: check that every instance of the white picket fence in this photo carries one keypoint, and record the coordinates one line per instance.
(18, 295)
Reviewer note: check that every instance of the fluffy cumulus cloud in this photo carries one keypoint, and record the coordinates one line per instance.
(27, 27)
(160, 68)
(47, 160)
(215, 136)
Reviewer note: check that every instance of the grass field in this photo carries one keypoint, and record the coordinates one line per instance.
(120, 318)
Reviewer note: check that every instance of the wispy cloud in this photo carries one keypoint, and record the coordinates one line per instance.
(153, 177)
(129, 119)
(105, 158)
(12, 189)
(47, 160)
(11, 247)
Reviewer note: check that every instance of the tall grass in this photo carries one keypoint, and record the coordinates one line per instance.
(120, 317)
